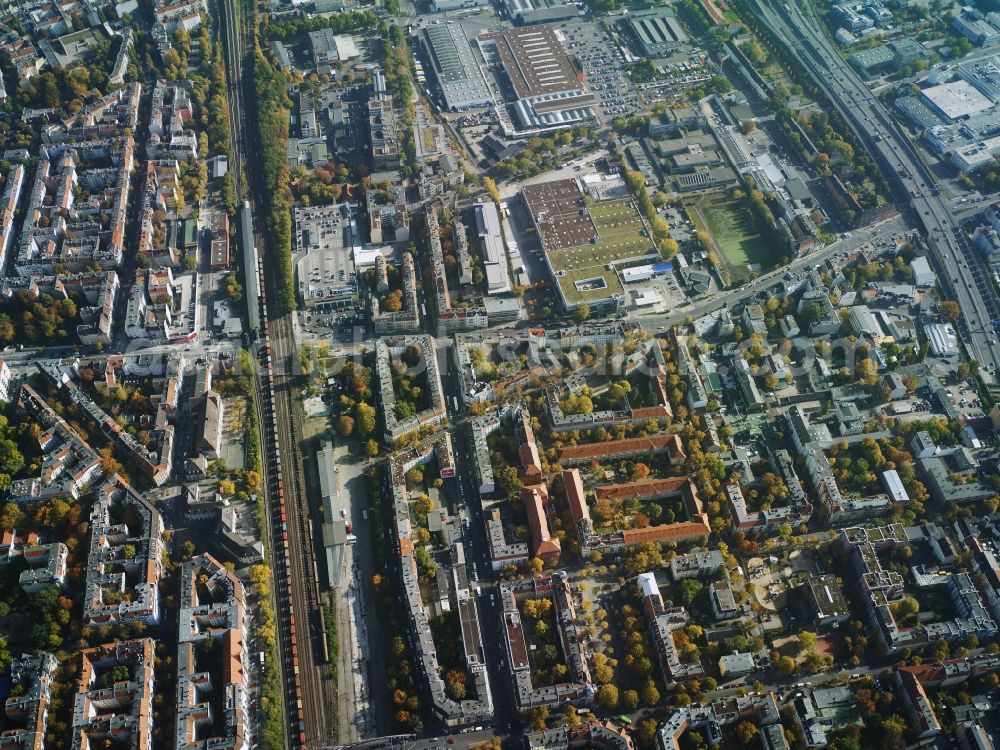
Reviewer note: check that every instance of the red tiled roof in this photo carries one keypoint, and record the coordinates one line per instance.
(575, 495)
(613, 448)
(646, 488)
(542, 543)
(668, 532)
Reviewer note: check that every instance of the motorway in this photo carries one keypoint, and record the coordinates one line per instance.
(306, 683)
(960, 271)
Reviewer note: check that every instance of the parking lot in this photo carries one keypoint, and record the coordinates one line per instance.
(602, 67)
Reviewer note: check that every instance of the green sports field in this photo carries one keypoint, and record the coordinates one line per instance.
(732, 227)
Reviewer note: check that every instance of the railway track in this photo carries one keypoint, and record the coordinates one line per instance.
(309, 698)
(299, 617)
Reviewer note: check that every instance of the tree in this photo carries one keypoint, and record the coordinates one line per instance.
(867, 372)
(364, 419)
(533, 718)
(640, 471)
(746, 731)
(786, 665)
(949, 310)
(905, 608)
(12, 517)
(607, 696)
(371, 449)
(650, 694)
(630, 700)
(345, 425)
(807, 641)
(491, 188)
(647, 734)
(690, 589)
(582, 312)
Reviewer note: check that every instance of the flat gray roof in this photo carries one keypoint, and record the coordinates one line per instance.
(455, 67)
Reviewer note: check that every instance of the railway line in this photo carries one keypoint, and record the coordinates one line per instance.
(301, 635)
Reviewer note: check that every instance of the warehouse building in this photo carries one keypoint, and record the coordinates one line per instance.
(548, 85)
(455, 68)
(657, 31)
(539, 11)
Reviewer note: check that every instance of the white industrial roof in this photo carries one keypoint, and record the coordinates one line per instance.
(957, 99)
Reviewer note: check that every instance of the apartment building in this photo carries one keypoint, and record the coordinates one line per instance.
(69, 465)
(627, 448)
(578, 688)
(76, 234)
(452, 713)
(124, 557)
(663, 621)
(46, 567)
(407, 320)
(695, 527)
(28, 710)
(390, 348)
(115, 709)
(154, 461)
(212, 608)
(880, 588)
(9, 202)
(450, 318)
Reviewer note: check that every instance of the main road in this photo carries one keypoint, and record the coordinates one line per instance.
(961, 273)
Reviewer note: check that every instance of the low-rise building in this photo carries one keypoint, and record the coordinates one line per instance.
(736, 664)
(46, 567)
(825, 601)
(722, 599)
